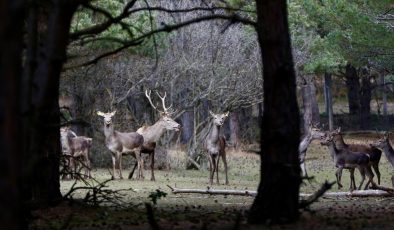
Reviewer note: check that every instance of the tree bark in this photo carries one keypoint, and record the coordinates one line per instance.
(277, 200)
(12, 210)
(353, 88)
(328, 100)
(365, 102)
(234, 129)
(309, 102)
(44, 113)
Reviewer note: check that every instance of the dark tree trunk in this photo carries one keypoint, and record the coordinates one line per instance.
(278, 191)
(365, 102)
(11, 147)
(353, 88)
(45, 122)
(187, 126)
(310, 107)
(328, 100)
(234, 129)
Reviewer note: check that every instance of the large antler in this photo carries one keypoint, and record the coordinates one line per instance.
(166, 110)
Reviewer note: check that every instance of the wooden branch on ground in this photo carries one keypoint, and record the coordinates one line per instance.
(194, 162)
(356, 193)
(214, 191)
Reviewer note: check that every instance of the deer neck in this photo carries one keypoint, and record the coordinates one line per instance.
(214, 134)
(108, 131)
(153, 133)
(333, 150)
(340, 143)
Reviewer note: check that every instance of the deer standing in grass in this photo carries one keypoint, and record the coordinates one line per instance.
(120, 143)
(215, 145)
(75, 147)
(153, 133)
(313, 133)
(384, 144)
(344, 158)
(373, 152)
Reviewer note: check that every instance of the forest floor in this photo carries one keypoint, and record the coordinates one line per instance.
(202, 211)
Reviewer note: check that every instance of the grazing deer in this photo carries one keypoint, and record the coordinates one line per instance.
(120, 143)
(384, 144)
(215, 145)
(75, 147)
(153, 133)
(374, 153)
(313, 133)
(344, 158)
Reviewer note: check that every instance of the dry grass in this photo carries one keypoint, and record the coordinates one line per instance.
(198, 211)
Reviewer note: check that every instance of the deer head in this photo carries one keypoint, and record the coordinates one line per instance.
(107, 117)
(382, 142)
(169, 124)
(218, 119)
(316, 132)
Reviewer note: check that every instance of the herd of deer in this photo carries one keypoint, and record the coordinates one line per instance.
(143, 141)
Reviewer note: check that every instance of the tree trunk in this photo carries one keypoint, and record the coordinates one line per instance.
(11, 43)
(187, 126)
(353, 88)
(310, 107)
(45, 121)
(277, 200)
(365, 102)
(328, 100)
(384, 95)
(234, 129)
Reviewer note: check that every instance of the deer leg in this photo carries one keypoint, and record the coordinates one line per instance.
(375, 166)
(113, 166)
(338, 175)
(352, 182)
(211, 169)
(302, 165)
(225, 166)
(217, 168)
(370, 176)
(362, 173)
(152, 165)
(88, 167)
(120, 166)
(132, 171)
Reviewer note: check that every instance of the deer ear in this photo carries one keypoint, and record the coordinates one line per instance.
(226, 114)
(113, 113)
(212, 114)
(100, 113)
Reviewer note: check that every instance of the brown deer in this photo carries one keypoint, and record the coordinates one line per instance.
(344, 158)
(153, 133)
(384, 144)
(75, 147)
(374, 153)
(313, 133)
(120, 143)
(215, 145)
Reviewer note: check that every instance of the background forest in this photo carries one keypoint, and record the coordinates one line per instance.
(342, 52)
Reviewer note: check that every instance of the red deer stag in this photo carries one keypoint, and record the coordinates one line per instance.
(374, 153)
(215, 145)
(384, 144)
(75, 147)
(313, 133)
(153, 133)
(120, 143)
(344, 158)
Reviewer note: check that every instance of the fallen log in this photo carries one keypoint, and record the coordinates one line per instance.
(214, 191)
(356, 193)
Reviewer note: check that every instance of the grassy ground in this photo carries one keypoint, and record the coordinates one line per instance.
(200, 211)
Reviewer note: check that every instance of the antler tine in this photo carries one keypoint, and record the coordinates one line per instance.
(147, 94)
(163, 98)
